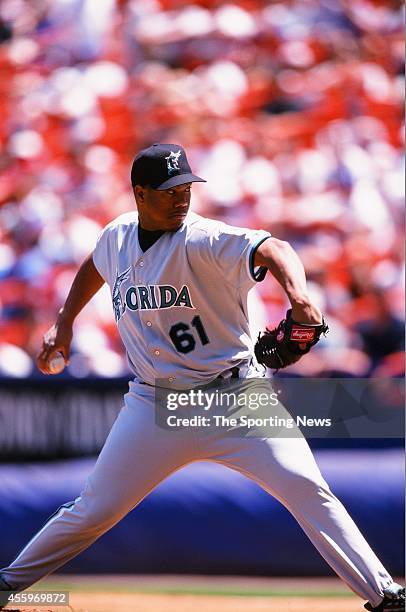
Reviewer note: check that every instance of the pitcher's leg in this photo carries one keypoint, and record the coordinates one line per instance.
(130, 465)
(286, 468)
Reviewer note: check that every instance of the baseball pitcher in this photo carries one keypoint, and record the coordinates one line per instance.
(179, 284)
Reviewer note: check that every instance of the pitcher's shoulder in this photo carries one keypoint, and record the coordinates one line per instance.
(207, 226)
(126, 219)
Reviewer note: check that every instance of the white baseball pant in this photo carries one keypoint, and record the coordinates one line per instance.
(137, 456)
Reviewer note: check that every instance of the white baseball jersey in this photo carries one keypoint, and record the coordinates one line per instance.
(181, 307)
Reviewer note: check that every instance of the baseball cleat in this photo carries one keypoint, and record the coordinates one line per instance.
(393, 601)
(5, 590)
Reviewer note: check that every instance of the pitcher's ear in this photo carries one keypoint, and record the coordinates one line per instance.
(139, 193)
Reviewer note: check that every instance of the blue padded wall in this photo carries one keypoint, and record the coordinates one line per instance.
(209, 519)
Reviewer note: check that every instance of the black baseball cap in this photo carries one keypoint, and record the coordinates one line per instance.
(162, 166)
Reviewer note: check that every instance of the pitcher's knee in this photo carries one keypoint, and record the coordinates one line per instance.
(305, 491)
(94, 512)
(86, 514)
(97, 517)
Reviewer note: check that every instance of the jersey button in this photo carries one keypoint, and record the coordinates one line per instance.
(149, 324)
(157, 353)
(141, 263)
(171, 378)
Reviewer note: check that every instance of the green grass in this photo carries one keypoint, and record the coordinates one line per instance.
(91, 587)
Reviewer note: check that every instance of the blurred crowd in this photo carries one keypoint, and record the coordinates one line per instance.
(292, 110)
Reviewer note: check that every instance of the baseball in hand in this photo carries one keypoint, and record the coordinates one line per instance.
(57, 363)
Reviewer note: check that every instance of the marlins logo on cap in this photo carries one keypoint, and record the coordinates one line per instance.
(172, 161)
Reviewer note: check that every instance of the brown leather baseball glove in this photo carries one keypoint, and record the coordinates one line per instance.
(287, 343)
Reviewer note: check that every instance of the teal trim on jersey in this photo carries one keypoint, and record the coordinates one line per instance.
(260, 274)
